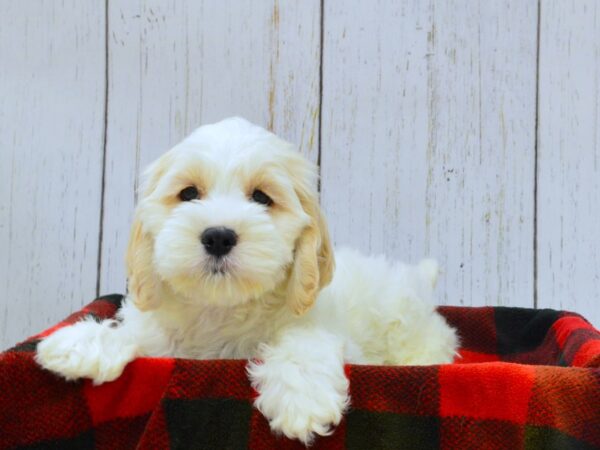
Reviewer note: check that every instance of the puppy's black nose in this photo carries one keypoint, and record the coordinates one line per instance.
(218, 241)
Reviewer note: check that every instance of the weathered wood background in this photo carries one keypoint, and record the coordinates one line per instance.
(466, 130)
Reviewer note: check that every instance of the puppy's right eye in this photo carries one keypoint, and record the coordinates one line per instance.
(189, 193)
(260, 197)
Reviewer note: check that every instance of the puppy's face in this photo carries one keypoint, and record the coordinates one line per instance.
(229, 215)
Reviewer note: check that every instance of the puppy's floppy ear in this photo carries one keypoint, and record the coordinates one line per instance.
(313, 260)
(144, 284)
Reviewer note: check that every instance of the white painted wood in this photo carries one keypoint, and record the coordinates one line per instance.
(174, 65)
(568, 216)
(51, 134)
(428, 128)
(428, 139)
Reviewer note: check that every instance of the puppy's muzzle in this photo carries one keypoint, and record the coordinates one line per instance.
(218, 241)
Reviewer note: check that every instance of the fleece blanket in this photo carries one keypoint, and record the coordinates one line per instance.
(525, 379)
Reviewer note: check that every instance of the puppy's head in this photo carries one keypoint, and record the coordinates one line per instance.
(227, 216)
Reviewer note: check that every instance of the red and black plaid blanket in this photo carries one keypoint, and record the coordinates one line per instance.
(527, 379)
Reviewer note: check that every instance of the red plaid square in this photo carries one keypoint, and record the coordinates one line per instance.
(486, 391)
(136, 392)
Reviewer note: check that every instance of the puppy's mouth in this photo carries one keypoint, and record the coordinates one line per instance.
(218, 265)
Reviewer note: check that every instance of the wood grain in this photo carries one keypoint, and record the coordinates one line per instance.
(444, 132)
(174, 65)
(568, 234)
(428, 139)
(51, 135)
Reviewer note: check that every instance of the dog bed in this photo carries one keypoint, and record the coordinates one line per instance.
(525, 379)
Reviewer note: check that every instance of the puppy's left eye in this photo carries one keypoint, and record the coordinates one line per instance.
(260, 197)
(189, 193)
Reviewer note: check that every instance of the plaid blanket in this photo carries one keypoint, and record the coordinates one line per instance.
(526, 379)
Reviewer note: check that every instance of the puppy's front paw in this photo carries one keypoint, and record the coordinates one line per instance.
(297, 404)
(85, 350)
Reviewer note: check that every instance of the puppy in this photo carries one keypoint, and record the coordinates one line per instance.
(228, 255)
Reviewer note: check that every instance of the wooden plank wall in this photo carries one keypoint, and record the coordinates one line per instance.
(174, 65)
(52, 80)
(568, 183)
(429, 111)
(464, 130)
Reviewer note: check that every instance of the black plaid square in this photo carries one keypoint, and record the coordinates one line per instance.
(208, 423)
(373, 430)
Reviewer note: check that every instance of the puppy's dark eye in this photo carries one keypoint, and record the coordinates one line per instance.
(260, 197)
(189, 193)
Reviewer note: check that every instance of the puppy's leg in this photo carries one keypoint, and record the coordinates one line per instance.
(301, 383)
(87, 349)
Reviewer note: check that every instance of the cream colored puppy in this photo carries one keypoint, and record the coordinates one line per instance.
(230, 257)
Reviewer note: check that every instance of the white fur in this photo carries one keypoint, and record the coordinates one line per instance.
(373, 311)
